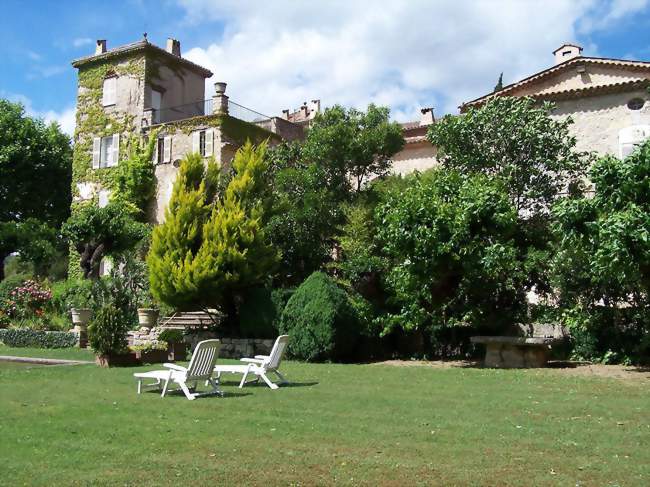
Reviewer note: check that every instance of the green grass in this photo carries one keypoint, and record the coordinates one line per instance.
(60, 353)
(338, 424)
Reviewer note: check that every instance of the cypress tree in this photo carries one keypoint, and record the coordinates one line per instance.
(499, 85)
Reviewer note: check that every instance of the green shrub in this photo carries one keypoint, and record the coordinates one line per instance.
(170, 335)
(24, 337)
(260, 312)
(320, 321)
(73, 293)
(107, 331)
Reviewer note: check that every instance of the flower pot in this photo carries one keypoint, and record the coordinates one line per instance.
(148, 317)
(81, 316)
(177, 351)
(117, 360)
(151, 356)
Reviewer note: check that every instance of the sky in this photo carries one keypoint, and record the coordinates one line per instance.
(277, 54)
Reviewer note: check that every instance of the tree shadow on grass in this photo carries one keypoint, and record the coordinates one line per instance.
(263, 384)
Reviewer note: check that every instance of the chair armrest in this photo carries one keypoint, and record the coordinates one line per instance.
(262, 357)
(256, 361)
(175, 367)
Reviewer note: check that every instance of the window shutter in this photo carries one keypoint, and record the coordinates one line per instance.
(115, 152)
(97, 148)
(209, 142)
(109, 91)
(196, 141)
(167, 155)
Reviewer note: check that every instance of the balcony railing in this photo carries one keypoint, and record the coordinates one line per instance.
(204, 107)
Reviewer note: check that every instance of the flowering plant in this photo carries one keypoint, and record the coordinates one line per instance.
(27, 300)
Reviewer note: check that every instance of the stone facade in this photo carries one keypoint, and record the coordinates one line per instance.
(234, 348)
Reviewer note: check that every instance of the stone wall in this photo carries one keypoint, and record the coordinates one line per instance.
(235, 348)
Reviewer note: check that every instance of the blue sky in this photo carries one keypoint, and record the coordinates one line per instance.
(275, 55)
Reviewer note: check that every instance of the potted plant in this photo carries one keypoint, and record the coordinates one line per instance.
(147, 311)
(80, 299)
(176, 347)
(107, 337)
(151, 353)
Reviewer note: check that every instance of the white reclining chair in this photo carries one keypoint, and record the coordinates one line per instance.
(260, 366)
(199, 369)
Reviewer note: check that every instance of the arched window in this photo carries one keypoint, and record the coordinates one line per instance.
(636, 103)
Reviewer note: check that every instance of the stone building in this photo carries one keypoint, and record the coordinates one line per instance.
(418, 153)
(135, 90)
(606, 98)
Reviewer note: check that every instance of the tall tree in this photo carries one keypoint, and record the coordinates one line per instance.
(212, 246)
(35, 174)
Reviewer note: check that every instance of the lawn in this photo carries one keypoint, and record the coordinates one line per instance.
(343, 424)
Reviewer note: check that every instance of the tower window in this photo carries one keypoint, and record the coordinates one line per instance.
(109, 91)
(636, 103)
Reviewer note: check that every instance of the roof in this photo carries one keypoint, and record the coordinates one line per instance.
(141, 46)
(547, 73)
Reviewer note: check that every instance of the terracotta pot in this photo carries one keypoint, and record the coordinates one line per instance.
(81, 316)
(151, 356)
(117, 360)
(148, 317)
(177, 351)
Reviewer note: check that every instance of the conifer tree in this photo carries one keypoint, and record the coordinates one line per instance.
(499, 85)
(212, 246)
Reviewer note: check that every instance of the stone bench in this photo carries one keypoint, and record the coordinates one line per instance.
(515, 352)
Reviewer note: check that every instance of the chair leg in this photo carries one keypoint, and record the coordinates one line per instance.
(243, 379)
(215, 387)
(165, 387)
(139, 386)
(187, 392)
(268, 381)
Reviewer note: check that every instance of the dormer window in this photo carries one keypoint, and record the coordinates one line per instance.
(636, 103)
(109, 91)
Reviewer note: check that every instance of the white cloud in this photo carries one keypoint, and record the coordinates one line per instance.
(65, 118)
(81, 42)
(405, 54)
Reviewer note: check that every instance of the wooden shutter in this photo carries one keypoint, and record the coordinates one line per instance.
(97, 149)
(114, 159)
(209, 142)
(167, 148)
(109, 91)
(196, 141)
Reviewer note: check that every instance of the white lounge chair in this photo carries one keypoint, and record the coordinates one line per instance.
(260, 366)
(199, 369)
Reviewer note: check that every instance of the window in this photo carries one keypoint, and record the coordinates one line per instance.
(109, 91)
(202, 142)
(106, 151)
(636, 103)
(156, 99)
(164, 150)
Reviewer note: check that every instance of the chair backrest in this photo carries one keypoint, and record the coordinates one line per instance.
(203, 359)
(277, 352)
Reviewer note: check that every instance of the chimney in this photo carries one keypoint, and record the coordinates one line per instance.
(220, 99)
(285, 114)
(173, 47)
(314, 108)
(426, 117)
(566, 52)
(100, 48)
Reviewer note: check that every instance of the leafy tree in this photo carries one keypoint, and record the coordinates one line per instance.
(516, 140)
(351, 144)
(211, 246)
(35, 175)
(97, 232)
(603, 258)
(449, 241)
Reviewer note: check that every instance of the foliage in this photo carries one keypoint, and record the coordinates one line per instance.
(171, 335)
(603, 258)
(97, 232)
(260, 312)
(73, 293)
(320, 321)
(351, 144)
(31, 153)
(499, 85)
(150, 346)
(135, 179)
(107, 331)
(516, 140)
(211, 246)
(23, 337)
(28, 300)
(449, 240)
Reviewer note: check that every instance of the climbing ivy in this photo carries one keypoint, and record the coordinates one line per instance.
(237, 130)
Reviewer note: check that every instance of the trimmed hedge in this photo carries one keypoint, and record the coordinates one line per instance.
(320, 320)
(24, 337)
(259, 314)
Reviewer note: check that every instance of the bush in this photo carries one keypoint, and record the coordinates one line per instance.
(171, 335)
(107, 331)
(73, 293)
(320, 321)
(23, 337)
(260, 312)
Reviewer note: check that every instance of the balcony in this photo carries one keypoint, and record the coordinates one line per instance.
(204, 107)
